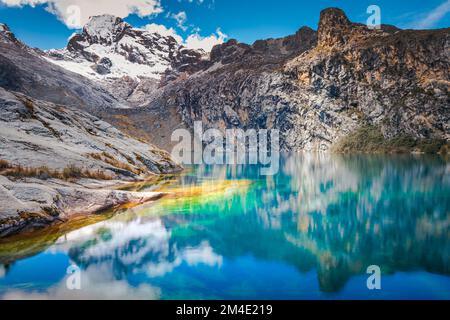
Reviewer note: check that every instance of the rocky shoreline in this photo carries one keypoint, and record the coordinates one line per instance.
(30, 204)
(56, 163)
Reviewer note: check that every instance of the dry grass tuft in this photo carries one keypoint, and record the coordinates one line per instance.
(29, 105)
(4, 164)
(68, 173)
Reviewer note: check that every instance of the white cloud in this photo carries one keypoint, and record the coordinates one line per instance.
(191, 1)
(193, 41)
(180, 18)
(204, 254)
(17, 3)
(75, 13)
(97, 282)
(433, 17)
(196, 41)
(163, 30)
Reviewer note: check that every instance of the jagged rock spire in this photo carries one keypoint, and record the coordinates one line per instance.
(334, 27)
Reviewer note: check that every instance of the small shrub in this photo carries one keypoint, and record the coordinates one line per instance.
(97, 175)
(366, 139)
(129, 159)
(431, 145)
(369, 139)
(445, 150)
(96, 156)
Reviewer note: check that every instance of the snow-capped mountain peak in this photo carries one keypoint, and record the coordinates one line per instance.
(105, 29)
(109, 48)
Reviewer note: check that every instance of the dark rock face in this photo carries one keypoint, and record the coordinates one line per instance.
(103, 66)
(9, 78)
(229, 52)
(304, 39)
(184, 62)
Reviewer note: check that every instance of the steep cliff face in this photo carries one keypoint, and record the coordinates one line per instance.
(319, 87)
(394, 80)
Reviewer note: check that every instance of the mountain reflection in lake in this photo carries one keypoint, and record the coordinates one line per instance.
(309, 232)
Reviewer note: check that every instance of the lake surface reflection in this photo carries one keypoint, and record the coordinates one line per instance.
(310, 232)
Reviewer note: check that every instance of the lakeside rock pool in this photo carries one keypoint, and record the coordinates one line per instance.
(309, 232)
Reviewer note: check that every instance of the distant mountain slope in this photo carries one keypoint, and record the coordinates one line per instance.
(26, 70)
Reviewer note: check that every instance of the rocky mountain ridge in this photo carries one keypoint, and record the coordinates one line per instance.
(318, 88)
(26, 70)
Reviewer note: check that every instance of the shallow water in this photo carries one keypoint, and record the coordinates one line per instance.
(310, 232)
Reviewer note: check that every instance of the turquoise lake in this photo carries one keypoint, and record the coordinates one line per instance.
(309, 232)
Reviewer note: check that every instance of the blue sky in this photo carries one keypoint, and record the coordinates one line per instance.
(245, 20)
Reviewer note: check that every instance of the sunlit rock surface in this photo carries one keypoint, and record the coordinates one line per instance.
(38, 135)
